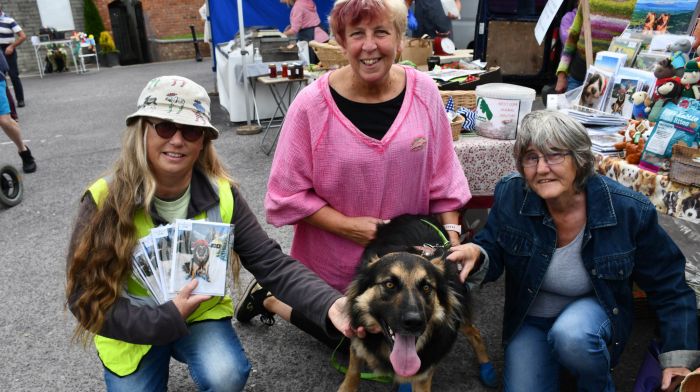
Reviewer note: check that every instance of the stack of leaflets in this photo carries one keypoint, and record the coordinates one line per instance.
(603, 139)
(594, 118)
(173, 255)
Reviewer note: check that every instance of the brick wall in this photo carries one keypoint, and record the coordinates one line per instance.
(26, 13)
(166, 50)
(163, 18)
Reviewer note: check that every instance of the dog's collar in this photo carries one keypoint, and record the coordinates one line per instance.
(445, 242)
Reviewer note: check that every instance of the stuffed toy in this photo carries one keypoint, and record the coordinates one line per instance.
(691, 79)
(679, 54)
(640, 101)
(662, 71)
(667, 92)
(633, 140)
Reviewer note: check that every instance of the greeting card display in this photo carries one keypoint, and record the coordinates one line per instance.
(202, 252)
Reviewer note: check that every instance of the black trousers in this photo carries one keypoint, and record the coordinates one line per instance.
(14, 73)
(298, 320)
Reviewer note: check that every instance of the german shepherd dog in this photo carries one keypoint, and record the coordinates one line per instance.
(406, 288)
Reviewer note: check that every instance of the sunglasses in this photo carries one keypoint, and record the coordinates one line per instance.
(166, 130)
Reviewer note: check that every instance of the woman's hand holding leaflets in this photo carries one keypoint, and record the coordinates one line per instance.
(185, 302)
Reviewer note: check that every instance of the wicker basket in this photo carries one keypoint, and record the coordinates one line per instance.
(329, 54)
(456, 125)
(684, 169)
(461, 98)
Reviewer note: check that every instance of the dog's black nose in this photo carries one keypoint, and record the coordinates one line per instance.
(412, 322)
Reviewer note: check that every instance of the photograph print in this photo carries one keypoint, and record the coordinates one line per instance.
(202, 252)
(663, 16)
(620, 101)
(163, 248)
(595, 87)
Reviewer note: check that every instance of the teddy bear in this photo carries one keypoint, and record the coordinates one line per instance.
(690, 79)
(668, 91)
(640, 101)
(679, 54)
(633, 140)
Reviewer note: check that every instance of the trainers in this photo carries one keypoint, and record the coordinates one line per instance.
(251, 305)
(20, 104)
(28, 165)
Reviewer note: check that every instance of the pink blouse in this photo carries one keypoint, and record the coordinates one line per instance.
(323, 159)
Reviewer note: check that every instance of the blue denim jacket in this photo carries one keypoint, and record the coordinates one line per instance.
(622, 242)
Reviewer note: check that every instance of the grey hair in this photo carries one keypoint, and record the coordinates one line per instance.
(549, 131)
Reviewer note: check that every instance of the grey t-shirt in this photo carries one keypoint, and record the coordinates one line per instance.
(565, 281)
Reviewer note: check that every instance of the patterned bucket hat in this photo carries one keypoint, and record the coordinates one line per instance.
(176, 99)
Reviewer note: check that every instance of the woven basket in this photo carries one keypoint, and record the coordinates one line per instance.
(684, 169)
(461, 98)
(329, 54)
(456, 125)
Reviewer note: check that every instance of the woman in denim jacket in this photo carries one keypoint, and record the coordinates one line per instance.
(571, 243)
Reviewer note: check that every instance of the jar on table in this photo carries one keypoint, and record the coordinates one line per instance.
(285, 70)
(273, 70)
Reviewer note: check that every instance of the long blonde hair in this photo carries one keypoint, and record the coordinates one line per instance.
(100, 261)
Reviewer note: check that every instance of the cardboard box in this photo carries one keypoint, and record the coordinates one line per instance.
(417, 50)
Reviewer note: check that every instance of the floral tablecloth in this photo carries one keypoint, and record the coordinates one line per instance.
(670, 198)
(484, 162)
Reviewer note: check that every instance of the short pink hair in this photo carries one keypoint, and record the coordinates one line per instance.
(350, 12)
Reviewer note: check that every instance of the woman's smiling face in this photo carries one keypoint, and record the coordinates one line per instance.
(371, 48)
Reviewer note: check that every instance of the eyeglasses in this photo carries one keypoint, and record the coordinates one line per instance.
(553, 158)
(166, 130)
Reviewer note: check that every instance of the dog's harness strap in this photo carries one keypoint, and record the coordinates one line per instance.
(445, 241)
(383, 378)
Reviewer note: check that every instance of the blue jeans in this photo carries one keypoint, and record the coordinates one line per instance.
(572, 83)
(575, 340)
(212, 352)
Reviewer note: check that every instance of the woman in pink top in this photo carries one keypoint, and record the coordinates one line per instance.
(359, 146)
(304, 21)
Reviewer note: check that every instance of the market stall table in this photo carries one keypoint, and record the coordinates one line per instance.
(670, 198)
(280, 88)
(484, 162)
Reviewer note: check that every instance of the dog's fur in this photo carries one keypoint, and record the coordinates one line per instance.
(593, 90)
(411, 298)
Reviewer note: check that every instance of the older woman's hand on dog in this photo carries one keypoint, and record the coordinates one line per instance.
(358, 229)
(466, 257)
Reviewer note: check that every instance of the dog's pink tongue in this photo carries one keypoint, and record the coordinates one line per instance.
(404, 357)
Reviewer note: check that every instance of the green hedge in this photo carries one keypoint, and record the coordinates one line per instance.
(93, 20)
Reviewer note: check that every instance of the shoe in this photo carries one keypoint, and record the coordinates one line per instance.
(20, 104)
(28, 165)
(251, 305)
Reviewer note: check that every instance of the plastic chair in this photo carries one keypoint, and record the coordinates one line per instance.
(83, 52)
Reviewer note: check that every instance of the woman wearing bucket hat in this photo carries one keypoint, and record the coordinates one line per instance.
(168, 169)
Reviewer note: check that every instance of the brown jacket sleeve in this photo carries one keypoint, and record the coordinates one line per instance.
(288, 279)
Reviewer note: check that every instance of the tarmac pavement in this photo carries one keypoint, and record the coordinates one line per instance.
(73, 125)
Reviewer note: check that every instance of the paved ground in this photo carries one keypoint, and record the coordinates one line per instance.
(73, 124)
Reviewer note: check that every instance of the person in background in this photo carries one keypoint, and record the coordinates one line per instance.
(571, 243)
(9, 125)
(432, 19)
(608, 19)
(8, 43)
(305, 24)
(169, 169)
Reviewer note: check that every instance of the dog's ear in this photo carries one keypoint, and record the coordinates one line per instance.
(438, 262)
(373, 258)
